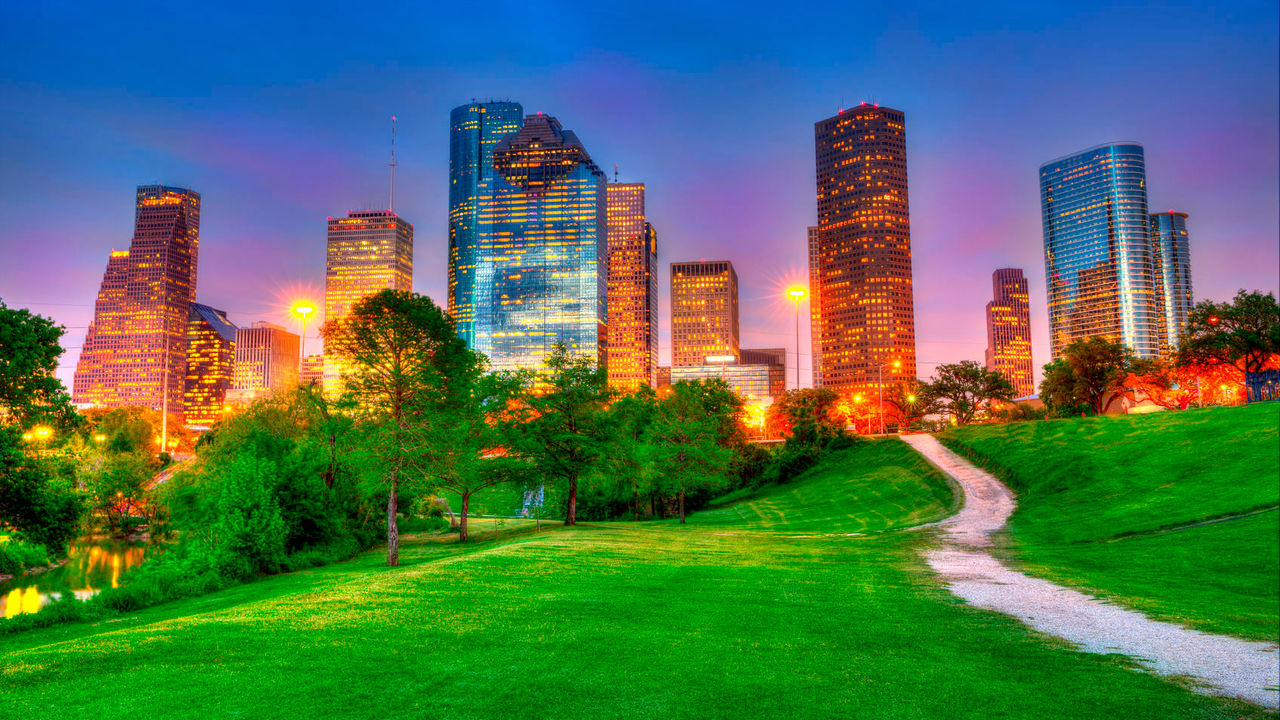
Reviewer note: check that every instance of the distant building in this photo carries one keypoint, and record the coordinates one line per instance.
(135, 351)
(474, 130)
(863, 248)
(632, 353)
(266, 362)
(815, 308)
(704, 312)
(776, 359)
(540, 269)
(1009, 331)
(1098, 249)
(1171, 255)
(753, 383)
(211, 355)
(663, 376)
(312, 370)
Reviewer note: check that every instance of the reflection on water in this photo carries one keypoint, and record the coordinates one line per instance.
(93, 565)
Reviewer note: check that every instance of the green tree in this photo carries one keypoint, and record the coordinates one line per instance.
(1244, 332)
(397, 351)
(626, 459)
(29, 352)
(250, 531)
(1090, 373)
(45, 507)
(687, 441)
(810, 415)
(962, 389)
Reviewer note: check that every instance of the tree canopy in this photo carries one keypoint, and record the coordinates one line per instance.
(962, 389)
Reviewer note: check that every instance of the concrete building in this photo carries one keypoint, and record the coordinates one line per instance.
(1009, 331)
(704, 312)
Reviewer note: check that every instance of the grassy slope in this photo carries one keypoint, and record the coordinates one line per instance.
(630, 620)
(1095, 494)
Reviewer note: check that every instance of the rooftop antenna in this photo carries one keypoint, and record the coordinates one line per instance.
(615, 172)
(392, 164)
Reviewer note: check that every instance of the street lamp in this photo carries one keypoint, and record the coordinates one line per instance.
(880, 387)
(303, 309)
(796, 293)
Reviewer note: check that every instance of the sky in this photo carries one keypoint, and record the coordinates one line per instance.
(279, 116)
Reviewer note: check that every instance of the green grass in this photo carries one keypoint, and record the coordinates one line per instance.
(1104, 504)
(715, 619)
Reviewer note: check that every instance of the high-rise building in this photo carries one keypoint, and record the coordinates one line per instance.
(776, 359)
(211, 355)
(541, 234)
(815, 309)
(135, 351)
(1097, 249)
(704, 312)
(474, 130)
(1009, 331)
(632, 353)
(312, 370)
(266, 362)
(1171, 254)
(864, 250)
(753, 383)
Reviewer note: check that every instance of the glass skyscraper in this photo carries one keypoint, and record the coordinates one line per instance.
(1171, 254)
(540, 250)
(1009, 330)
(473, 131)
(211, 354)
(1097, 249)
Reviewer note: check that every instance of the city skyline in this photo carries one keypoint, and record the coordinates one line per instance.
(972, 173)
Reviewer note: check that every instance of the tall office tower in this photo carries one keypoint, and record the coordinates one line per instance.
(815, 310)
(864, 249)
(776, 359)
(1171, 253)
(632, 354)
(704, 312)
(1009, 330)
(266, 362)
(1097, 249)
(474, 130)
(211, 355)
(312, 372)
(135, 351)
(540, 250)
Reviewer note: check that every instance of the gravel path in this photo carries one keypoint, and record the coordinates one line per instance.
(1219, 664)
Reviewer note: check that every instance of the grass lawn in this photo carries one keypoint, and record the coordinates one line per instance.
(1104, 504)
(716, 619)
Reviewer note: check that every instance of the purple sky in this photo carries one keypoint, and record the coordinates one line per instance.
(280, 119)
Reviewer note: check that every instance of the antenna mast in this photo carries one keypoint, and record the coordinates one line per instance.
(615, 172)
(392, 164)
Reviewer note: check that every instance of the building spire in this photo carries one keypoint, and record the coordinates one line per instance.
(392, 164)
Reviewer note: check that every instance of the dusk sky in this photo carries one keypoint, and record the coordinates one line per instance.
(280, 119)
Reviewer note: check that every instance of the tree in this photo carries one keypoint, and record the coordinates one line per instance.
(1090, 373)
(686, 442)
(1244, 333)
(961, 389)
(563, 416)
(905, 404)
(398, 352)
(29, 352)
(626, 458)
(808, 416)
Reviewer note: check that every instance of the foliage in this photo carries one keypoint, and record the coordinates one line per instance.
(809, 416)
(30, 392)
(1244, 332)
(17, 555)
(44, 507)
(962, 389)
(1090, 374)
(117, 490)
(687, 446)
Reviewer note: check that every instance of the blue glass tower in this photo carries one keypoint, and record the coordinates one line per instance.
(540, 261)
(1171, 253)
(1097, 249)
(473, 131)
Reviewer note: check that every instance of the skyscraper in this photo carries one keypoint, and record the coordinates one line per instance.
(474, 129)
(312, 372)
(541, 234)
(266, 362)
(776, 359)
(632, 289)
(704, 312)
(1097, 249)
(1009, 330)
(211, 354)
(1171, 255)
(864, 249)
(815, 309)
(135, 351)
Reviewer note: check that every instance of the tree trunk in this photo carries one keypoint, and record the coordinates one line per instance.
(682, 506)
(393, 531)
(571, 514)
(462, 524)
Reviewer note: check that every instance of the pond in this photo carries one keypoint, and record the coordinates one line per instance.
(93, 564)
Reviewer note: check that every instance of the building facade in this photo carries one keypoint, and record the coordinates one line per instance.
(266, 362)
(776, 359)
(704, 312)
(211, 355)
(474, 130)
(815, 309)
(1097, 249)
(632, 353)
(751, 382)
(135, 350)
(1171, 256)
(1009, 331)
(312, 372)
(541, 248)
(863, 241)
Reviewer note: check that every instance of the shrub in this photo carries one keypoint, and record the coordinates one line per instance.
(17, 555)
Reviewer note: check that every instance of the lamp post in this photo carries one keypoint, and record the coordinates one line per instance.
(303, 309)
(880, 387)
(795, 294)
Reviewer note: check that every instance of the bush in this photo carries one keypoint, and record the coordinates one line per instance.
(17, 555)
(428, 524)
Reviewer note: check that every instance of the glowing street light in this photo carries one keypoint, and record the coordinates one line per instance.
(796, 293)
(303, 309)
(880, 387)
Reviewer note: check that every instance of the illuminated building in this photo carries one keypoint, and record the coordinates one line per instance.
(135, 351)
(751, 382)
(863, 267)
(704, 312)
(474, 129)
(312, 370)
(266, 362)
(540, 250)
(1097, 249)
(1171, 254)
(815, 309)
(1009, 331)
(632, 352)
(776, 359)
(663, 376)
(211, 354)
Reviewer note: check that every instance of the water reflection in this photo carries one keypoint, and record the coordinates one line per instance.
(93, 565)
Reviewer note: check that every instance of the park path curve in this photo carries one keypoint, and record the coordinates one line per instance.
(1220, 664)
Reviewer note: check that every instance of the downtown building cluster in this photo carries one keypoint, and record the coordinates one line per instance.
(545, 251)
